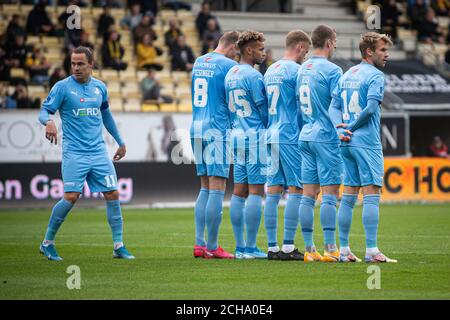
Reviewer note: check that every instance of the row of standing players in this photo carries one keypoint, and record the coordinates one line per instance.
(322, 125)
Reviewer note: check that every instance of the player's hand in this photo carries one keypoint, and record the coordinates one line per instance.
(51, 133)
(120, 153)
(346, 135)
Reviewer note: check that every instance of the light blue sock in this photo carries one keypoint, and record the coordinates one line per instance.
(213, 217)
(252, 218)
(271, 218)
(291, 217)
(345, 215)
(306, 213)
(115, 219)
(370, 216)
(200, 217)
(328, 218)
(59, 213)
(237, 206)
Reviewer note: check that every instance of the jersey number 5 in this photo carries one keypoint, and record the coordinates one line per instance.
(200, 92)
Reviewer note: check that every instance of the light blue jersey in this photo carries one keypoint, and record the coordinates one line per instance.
(359, 84)
(247, 102)
(285, 120)
(80, 106)
(209, 106)
(316, 80)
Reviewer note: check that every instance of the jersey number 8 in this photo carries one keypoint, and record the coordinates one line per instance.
(200, 92)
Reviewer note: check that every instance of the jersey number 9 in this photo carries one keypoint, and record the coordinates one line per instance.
(305, 99)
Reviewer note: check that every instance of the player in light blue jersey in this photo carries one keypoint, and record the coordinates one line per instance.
(284, 126)
(210, 142)
(319, 144)
(82, 102)
(356, 112)
(247, 104)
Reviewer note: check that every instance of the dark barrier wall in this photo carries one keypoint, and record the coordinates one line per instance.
(35, 184)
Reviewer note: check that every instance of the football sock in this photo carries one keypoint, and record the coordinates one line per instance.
(345, 215)
(252, 218)
(271, 218)
(237, 206)
(306, 212)
(370, 216)
(291, 217)
(328, 218)
(344, 250)
(274, 249)
(199, 213)
(287, 248)
(213, 217)
(59, 213)
(372, 251)
(115, 219)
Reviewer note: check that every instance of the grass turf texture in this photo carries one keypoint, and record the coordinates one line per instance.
(162, 239)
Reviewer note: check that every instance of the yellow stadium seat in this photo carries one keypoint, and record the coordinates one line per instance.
(150, 107)
(184, 107)
(110, 74)
(168, 107)
(132, 105)
(116, 104)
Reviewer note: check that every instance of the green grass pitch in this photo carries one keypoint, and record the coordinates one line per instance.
(161, 239)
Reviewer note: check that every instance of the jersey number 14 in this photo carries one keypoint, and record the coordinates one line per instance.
(352, 106)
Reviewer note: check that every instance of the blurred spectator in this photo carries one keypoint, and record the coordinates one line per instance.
(80, 3)
(17, 53)
(267, 62)
(38, 67)
(146, 53)
(38, 21)
(133, 19)
(171, 35)
(6, 102)
(441, 7)
(57, 75)
(67, 63)
(203, 16)
(84, 41)
(389, 17)
(22, 98)
(182, 55)
(176, 5)
(14, 29)
(151, 88)
(5, 66)
(112, 53)
(149, 7)
(143, 28)
(109, 3)
(282, 4)
(213, 31)
(417, 13)
(104, 21)
(209, 45)
(438, 148)
(429, 29)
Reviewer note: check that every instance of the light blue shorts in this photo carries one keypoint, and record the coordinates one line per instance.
(321, 163)
(363, 166)
(289, 165)
(212, 158)
(248, 167)
(97, 170)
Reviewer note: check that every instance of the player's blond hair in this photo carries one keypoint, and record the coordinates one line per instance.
(249, 37)
(229, 37)
(294, 37)
(369, 40)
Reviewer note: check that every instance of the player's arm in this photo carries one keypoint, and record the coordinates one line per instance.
(260, 98)
(50, 105)
(335, 113)
(365, 115)
(110, 125)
